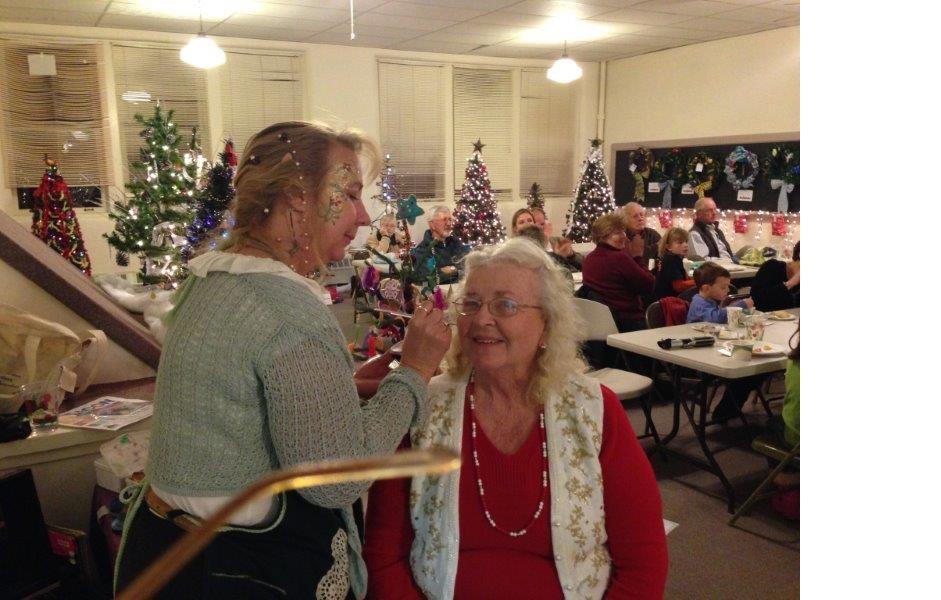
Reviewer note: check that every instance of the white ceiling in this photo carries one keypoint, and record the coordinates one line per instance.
(595, 29)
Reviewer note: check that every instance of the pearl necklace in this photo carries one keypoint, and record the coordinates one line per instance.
(480, 482)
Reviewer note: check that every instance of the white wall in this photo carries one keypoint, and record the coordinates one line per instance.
(341, 88)
(724, 89)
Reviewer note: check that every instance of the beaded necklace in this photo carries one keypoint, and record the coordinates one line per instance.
(480, 482)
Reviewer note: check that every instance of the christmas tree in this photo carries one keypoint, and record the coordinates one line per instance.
(476, 220)
(54, 220)
(535, 199)
(213, 200)
(388, 188)
(593, 196)
(152, 223)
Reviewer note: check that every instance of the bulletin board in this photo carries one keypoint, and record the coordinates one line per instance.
(726, 197)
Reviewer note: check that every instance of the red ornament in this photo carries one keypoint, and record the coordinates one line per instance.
(666, 219)
(231, 158)
(741, 223)
(778, 226)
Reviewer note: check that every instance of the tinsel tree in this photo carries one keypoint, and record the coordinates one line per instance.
(593, 196)
(388, 188)
(54, 220)
(476, 219)
(213, 201)
(535, 199)
(152, 223)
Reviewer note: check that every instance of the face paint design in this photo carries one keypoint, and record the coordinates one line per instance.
(338, 186)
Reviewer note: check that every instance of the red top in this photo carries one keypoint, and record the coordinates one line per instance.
(492, 564)
(619, 278)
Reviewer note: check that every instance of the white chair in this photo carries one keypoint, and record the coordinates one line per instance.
(625, 385)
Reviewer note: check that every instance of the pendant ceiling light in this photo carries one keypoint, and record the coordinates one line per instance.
(202, 52)
(564, 70)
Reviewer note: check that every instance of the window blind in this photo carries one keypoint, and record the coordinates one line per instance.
(142, 76)
(411, 126)
(259, 90)
(483, 108)
(547, 114)
(60, 115)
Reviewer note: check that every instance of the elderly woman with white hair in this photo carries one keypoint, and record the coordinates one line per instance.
(554, 498)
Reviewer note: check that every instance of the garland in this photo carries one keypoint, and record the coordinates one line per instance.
(740, 157)
(703, 180)
(670, 170)
(782, 165)
(641, 160)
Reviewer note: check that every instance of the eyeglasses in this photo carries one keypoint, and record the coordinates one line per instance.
(498, 307)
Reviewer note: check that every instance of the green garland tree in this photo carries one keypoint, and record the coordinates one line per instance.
(593, 196)
(476, 219)
(535, 199)
(152, 223)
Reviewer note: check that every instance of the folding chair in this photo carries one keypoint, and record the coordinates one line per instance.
(774, 451)
(624, 384)
(654, 316)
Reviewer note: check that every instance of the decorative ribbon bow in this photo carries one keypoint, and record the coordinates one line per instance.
(165, 232)
(782, 195)
(667, 188)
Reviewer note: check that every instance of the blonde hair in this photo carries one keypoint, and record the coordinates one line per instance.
(674, 234)
(564, 326)
(290, 158)
(605, 225)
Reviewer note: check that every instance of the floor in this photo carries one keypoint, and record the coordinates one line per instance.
(758, 558)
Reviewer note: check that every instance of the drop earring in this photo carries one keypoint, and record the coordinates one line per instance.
(294, 245)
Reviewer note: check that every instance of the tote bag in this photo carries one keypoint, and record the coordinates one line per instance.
(34, 349)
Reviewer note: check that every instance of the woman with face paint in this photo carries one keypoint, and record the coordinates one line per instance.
(255, 376)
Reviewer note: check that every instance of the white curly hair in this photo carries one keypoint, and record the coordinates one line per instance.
(564, 326)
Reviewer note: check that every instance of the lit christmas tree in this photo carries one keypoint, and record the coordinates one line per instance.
(593, 196)
(535, 199)
(213, 201)
(152, 223)
(388, 188)
(476, 219)
(54, 220)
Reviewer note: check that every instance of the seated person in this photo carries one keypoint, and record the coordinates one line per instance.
(706, 239)
(671, 274)
(554, 492)
(521, 218)
(560, 247)
(777, 284)
(385, 238)
(439, 243)
(709, 304)
(635, 216)
(535, 234)
(618, 273)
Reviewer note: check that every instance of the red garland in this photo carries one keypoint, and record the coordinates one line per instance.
(778, 226)
(666, 219)
(741, 223)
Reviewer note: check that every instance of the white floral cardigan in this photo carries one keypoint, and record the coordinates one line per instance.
(573, 434)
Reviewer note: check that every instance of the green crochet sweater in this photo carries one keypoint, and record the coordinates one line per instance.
(255, 375)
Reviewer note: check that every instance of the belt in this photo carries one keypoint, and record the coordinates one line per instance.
(180, 518)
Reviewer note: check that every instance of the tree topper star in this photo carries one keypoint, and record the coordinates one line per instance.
(479, 146)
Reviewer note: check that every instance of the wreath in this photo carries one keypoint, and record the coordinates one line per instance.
(670, 170)
(783, 162)
(703, 179)
(640, 162)
(741, 168)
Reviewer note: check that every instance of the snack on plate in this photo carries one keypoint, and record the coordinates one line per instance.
(781, 314)
(763, 349)
(728, 334)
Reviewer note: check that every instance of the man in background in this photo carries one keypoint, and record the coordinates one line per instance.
(635, 216)
(705, 237)
(447, 249)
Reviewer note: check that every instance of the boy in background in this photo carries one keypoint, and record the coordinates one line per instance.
(710, 303)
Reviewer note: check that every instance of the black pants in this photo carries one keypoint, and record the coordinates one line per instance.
(288, 560)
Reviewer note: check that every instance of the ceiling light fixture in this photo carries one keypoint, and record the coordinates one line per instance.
(564, 70)
(201, 52)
